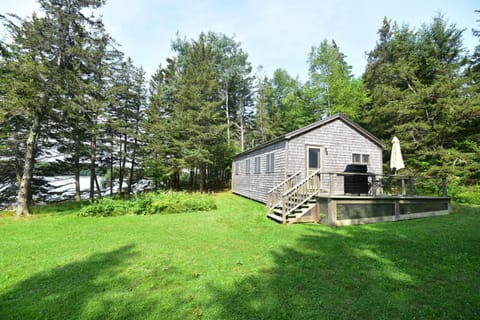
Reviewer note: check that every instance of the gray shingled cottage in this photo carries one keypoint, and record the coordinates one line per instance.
(328, 145)
(329, 172)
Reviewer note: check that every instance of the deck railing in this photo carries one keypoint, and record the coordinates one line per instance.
(401, 185)
(274, 195)
(301, 193)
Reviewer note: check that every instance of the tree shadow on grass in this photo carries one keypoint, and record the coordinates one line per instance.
(93, 288)
(375, 272)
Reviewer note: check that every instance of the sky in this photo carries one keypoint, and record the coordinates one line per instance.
(274, 33)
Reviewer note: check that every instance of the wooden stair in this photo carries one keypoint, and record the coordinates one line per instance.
(296, 203)
(297, 216)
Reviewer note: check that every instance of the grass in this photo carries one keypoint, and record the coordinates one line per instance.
(232, 263)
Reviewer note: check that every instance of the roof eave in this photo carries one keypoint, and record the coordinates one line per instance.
(313, 126)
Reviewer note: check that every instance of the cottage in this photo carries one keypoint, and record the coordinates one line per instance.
(328, 145)
(311, 169)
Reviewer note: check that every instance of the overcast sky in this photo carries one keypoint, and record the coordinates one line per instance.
(274, 33)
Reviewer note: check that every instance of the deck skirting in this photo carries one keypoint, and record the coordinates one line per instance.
(348, 210)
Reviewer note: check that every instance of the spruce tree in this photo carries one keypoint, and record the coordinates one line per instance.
(420, 94)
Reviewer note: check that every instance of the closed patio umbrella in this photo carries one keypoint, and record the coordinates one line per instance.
(396, 159)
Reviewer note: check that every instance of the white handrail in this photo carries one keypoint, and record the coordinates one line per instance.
(284, 181)
(274, 196)
(302, 182)
(299, 198)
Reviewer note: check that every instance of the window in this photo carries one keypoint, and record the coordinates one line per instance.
(313, 158)
(247, 166)
(365, 158)
(356, 158)
(360, 158)
(237, 168)
(270, 162)
(257, 165)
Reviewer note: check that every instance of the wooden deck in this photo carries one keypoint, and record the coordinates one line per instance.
(343, 210)
(382, 198)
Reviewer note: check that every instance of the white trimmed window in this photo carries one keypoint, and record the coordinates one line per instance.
(359, 158)
(270, 162)
(257, 165)
(365, 158)
(247, 166)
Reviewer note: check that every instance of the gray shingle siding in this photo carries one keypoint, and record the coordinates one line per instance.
(338, 139)
(256, 185)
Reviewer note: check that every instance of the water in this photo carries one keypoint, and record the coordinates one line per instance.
(62, 188)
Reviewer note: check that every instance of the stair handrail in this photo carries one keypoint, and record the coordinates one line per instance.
(274, 197)
(278, 186)
(289, 209)
(319, 171)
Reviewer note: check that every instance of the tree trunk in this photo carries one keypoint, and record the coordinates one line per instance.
(123, 161)
(111, 167)
(134, 154)
(192, 179)
(227, 110)
(175, 180)
(202, 178)
(242, 127)
(93, 174)
(76, 168)
(99, 191)
(132, 170)
(25, 189)
(18, 165)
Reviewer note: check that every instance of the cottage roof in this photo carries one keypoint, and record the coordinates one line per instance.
(316, 125)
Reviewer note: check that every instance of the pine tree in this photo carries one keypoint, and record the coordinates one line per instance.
(54, 48)
(161, 152)
(332, 81)
(419, 93)
(124, 113)
(198, 114)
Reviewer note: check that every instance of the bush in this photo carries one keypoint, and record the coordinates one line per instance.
(103, 207)
(141, 205)
(150, 203)
(175, 202)
(467, 195)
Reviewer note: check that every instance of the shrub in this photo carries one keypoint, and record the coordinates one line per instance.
(150, 203)
(175, 202)
(141, 205)
(103, 207)
(468, 195)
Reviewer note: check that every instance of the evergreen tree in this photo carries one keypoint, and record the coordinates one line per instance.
(198, 114)
(419, 93)
(198, 111)
(162, 148)
(55, 49)
(124, 114)
(25, 110)
(276, 109)
(333, 84)
(263, 127)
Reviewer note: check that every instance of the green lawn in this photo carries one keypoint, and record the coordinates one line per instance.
(233, 263)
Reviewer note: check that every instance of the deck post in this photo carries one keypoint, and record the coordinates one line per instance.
(374, 185)
(284, 210)
(331, 218)
(397, 209)
(444, 187)
(411, 186)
